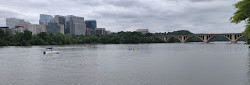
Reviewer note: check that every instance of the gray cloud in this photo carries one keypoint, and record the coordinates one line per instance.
(199, 16)
(7, 14)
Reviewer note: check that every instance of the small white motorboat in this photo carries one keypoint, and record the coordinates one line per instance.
(51, 51)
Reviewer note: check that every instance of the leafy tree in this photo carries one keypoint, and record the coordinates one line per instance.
(243, 14)
(2, 33)
(2, 38)
(148, 34)
(27, 35)
(116, 40)
(43, 36)
(37, 41)
(180, 32)
(105, 39)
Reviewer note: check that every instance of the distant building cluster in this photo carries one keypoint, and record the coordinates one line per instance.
(70, 24)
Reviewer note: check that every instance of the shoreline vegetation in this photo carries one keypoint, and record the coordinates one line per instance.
(27, 39)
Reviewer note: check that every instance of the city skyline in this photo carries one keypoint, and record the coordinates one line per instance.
(70, 24)
(198, 16)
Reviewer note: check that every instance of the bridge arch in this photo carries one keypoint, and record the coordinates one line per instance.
(239, 37)
(224, 36)
(206, 38)
(167, 39)
(186, 40)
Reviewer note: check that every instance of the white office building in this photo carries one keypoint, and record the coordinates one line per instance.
(12, 22)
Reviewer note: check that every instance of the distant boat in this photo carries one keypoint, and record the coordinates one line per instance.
(132, 49)
(51, 51)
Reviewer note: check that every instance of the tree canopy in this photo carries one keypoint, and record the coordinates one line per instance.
(243, 14)
(26, 38)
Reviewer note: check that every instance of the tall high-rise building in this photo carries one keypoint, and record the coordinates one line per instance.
(91, 24)
(12, 22)
(67, 25)
(45, 19)
(54, 28)
(75, 25)
(60, 20)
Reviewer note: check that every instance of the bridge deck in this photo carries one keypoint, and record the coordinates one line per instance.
(233, 37)
(207, 34)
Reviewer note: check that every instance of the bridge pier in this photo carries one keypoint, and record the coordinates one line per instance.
(205, 41)
(233, 40)
(182, 39)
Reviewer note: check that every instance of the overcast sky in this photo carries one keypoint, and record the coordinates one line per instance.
(198, 16)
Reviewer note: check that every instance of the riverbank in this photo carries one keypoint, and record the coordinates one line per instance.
(43, 38)
(27, 39)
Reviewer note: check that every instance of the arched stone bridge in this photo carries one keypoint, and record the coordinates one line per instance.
(233, 37)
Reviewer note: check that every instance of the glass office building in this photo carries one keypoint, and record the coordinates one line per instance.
(91, 24)
(45, 19)
(54, 28)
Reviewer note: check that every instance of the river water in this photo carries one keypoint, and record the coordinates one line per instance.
(111, 64)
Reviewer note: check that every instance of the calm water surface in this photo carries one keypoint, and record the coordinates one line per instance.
(150, 64)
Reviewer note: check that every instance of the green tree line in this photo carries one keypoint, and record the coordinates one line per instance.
(180, 32)
(26, 38)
